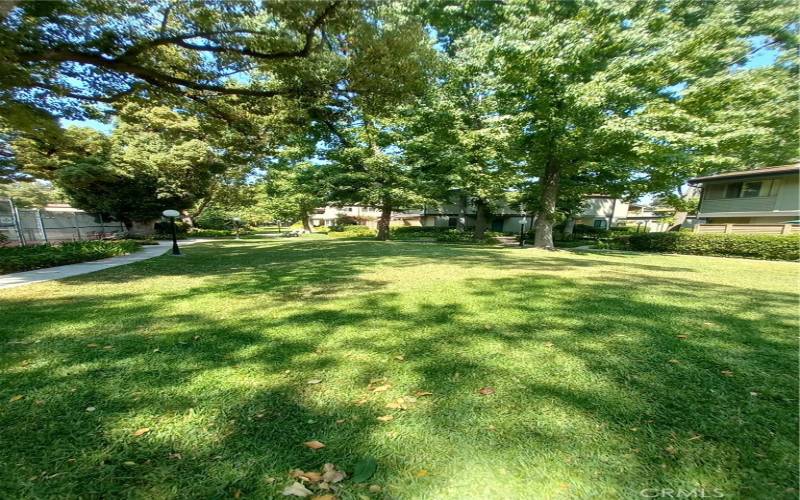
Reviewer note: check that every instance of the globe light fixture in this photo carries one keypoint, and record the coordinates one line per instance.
(171, 214)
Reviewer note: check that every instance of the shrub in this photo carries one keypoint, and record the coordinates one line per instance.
(456, 236)
(15, 259)
(583, 229)
(3, 239)
(417, 232)
(351, 232)
(164, 227)
(757, 246)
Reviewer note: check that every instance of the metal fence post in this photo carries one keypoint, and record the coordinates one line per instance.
(17, 225)
(40, 220)
(75, 223)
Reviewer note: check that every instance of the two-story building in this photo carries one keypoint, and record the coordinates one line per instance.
(762, 196)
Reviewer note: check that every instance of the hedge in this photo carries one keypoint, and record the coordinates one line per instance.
(15, 259)
(351, 232)
(757, 246)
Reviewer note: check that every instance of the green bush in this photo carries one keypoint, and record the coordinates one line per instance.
(15, 259)
(351, 232)
(417, 232)
(456, 236)
(164, 227)
(757, 246)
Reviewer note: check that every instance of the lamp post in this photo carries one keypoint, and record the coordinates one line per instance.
(171, 214)
(236, 221)
(522, 223)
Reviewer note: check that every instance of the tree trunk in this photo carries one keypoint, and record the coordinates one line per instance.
(547, 206)
(481, 218)
(307, 221)
(569, 228)
(186, 218)
(680, 218)
(385, 221)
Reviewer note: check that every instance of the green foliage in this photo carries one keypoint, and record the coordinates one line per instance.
(456, 236)
(165, 227)
(214, 218)
(351, 232)
(757, 246)
(30, 194)
(25, 258)
(417, 232)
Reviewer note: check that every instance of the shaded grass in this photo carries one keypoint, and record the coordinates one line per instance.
(596, 395)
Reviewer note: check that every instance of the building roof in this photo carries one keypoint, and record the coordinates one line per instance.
(742, 174)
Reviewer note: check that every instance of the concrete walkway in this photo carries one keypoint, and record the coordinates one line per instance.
(55, 273)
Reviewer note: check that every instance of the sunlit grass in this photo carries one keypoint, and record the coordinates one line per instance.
(613, 373)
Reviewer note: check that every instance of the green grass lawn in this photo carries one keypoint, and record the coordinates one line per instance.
(612, 374)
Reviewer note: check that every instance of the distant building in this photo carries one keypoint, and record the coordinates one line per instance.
(760, 196)
(460, 212)
(602, 211)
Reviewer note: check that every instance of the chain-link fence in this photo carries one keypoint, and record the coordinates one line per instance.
(33, 226)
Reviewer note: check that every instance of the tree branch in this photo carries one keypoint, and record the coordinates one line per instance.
(181, 41)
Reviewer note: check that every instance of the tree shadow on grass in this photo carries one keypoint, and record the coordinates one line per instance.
(588, 397)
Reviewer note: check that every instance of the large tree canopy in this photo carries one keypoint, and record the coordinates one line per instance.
(384, 102)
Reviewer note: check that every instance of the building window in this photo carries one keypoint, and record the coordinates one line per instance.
(750, 189)
(733, 190)
(600, 223)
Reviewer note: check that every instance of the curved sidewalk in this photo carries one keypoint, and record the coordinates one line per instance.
(54, 273)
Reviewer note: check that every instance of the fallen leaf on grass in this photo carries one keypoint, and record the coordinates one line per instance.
(683, 337)
(323, 497)
(364, 469)
(548, 344)
(695, 437)
(386, 418)
(331, 475)
(419, 394)
(399, 404)
(485, 391)
(381, 388)
(91, 345)
(312, 476)
(314, 444)
(673, 361)
(296, 489)
(361, 401)
(90, 408)
(141, 432)
(400, 358)
(727, 373)
(754, 394)
(314, 381)
(374, 488)
(16, 398)
(129, 463)
(341, 421)
(422, 473)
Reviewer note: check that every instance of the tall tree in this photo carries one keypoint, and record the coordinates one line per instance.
(587, 86)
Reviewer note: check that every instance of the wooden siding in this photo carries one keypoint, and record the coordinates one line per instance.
(747, 228)
(760, 204)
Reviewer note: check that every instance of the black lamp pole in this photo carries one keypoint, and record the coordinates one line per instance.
(175, 249)
(522, 234)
